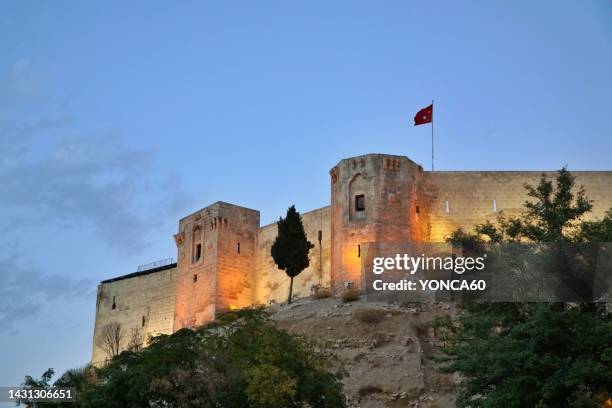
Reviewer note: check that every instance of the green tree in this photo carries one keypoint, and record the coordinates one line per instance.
(78, 378)
(240, 360)
(597, 231)
(538, 354)
(553, 214)
(43, 382)
(291, 247)
(530, 355)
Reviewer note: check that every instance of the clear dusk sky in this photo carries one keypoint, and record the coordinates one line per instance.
(117, 118)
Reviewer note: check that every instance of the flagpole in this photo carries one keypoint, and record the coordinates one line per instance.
(432, 136)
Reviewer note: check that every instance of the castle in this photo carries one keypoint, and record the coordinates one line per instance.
(223, 254)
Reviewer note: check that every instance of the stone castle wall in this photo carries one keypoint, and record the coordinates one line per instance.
(143, 302)
(272, 284)
(462, 199)
(223, 255)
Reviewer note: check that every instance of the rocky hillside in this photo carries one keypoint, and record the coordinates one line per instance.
(382, 348)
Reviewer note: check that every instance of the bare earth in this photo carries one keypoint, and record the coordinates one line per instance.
(382, 348)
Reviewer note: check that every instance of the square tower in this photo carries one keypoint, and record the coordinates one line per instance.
(215, 263)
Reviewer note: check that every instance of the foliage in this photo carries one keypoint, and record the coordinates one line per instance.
(269, 386)
(79, 378)
(597, 231)
(240, 360)
(553, 215)
(43, 382)
(350, 295)
(291, 247)
(528, 354)
(533, 355)
(369, 389)
(369, 316)
(321, 293)
(554, 211)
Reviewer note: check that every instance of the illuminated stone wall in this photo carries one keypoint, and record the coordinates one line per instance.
(388, 187)
(139, 298)
(272, 284)
(213, 275)
(403, 203)
(463, 199)
(223, 255)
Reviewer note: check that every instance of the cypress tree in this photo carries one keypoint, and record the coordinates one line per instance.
(291, 247)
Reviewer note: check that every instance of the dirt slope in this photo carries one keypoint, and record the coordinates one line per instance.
(382, 347)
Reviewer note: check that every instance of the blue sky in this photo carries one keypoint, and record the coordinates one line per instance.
(117, 118)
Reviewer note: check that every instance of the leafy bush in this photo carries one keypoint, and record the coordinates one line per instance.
(369, 316)
(533, 354)
(530, 354)
(270, 386)
(240, 360)
(322, 293)
(366, 390)
(350, 295)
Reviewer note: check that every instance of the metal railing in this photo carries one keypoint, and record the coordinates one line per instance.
(156, 264)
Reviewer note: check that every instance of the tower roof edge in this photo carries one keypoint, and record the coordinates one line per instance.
(376, 155)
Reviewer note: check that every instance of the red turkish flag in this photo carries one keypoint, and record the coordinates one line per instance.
(424, 116)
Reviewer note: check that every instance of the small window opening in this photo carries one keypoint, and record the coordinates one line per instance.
(114, 306)
(320, 236)
(447, 207)
(198, 253)
(418, 210)
(144, 320)
(358, 251)
(238, 247)
(195, 277)
(359, 202)
(494, 205)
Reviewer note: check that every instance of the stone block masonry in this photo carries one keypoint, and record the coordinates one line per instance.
(142, 303)
(462, 199)
(272, 284)
(223, 254)
(216, 263)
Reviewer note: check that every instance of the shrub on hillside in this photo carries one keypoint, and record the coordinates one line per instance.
(534, 354)
(321, 293)
(369, 389)
(240, 360)
(350, 295)
(369, 316)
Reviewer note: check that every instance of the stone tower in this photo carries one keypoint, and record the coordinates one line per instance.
(373, 199)
(216, 259)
